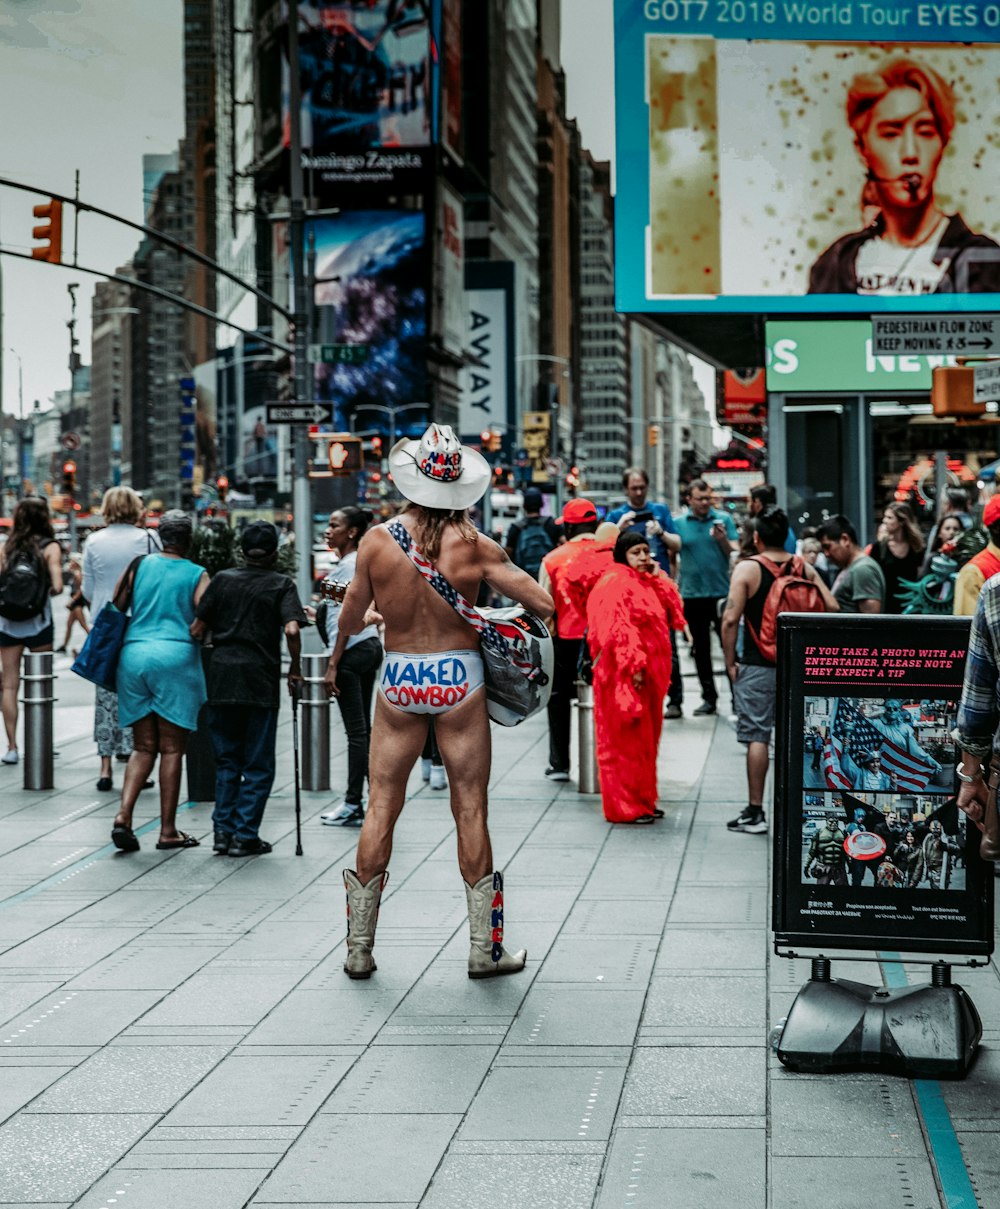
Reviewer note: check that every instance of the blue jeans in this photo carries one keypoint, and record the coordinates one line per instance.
(243, 737)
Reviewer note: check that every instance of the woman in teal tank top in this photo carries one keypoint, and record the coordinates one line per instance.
(161, 685)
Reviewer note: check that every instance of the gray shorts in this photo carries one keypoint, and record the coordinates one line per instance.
(754, 692)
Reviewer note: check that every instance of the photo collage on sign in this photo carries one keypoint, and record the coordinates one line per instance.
(878, 806)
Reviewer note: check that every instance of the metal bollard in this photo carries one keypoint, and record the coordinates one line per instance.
(38, 701)
(588, 781)
(315, 724)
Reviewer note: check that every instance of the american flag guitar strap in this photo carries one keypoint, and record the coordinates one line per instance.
(488, 634)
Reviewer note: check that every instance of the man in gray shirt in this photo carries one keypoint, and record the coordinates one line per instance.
(860, 584)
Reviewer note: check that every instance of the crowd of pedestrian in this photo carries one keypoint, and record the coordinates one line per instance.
(621, 597)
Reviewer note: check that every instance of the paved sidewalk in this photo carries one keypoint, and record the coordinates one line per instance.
(176, 1030)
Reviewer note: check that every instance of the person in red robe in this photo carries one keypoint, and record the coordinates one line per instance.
(630, 614)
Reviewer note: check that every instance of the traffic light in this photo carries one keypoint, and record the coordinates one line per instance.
(484, 438)
(222, 486)
(345, 456)
(51, 231)
(69, 478)
(377, 446)
(573, 478)
(490, 441)
(653, 436)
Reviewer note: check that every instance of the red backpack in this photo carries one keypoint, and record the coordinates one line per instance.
(791, 592)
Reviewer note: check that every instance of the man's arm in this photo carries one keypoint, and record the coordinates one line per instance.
(978, 711)
(503, 577)
(831, 602)
(869, 589)
(968, 585)
(740, 591)
(667, 529)
(293, 639)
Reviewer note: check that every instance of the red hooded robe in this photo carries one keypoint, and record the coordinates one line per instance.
(629, 619)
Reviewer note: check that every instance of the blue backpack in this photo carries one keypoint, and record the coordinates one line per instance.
(533, 543)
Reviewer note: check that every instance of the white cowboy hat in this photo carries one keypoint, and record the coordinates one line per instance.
(438, 471)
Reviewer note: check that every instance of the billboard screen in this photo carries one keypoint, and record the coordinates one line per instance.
(371, 306)
(763, 166)
(368, 71)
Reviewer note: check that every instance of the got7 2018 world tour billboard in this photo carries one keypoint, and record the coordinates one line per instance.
(798, 157)
(371, 307)
(871, 850)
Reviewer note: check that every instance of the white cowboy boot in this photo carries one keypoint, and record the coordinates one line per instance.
(487, 956)
(362, 916)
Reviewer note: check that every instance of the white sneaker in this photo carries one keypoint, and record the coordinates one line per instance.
(343, 815)
(425, 770)
(11, 757)
(438, 778)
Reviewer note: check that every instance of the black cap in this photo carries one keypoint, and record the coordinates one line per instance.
(532, 500)
(259, 539)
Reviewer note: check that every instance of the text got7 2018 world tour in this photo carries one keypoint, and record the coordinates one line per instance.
(871, 850)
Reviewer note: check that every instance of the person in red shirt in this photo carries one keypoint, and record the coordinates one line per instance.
(557, 574)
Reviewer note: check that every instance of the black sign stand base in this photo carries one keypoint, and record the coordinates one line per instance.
(931, 1031)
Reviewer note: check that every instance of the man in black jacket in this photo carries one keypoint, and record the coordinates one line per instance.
(247, 609)
(902, 116)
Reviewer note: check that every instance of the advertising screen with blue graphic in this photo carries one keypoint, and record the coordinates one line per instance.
(794, 157)
(371, 306)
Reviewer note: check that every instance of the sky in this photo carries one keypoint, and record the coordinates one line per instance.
(94, 93)
(83, 88)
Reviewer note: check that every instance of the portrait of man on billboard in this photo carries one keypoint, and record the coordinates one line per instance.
(902, 115)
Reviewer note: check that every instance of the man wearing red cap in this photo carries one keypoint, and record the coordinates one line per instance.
(982, 566)
(579, 523)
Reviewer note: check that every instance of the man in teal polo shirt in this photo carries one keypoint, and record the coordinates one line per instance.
(708, 537)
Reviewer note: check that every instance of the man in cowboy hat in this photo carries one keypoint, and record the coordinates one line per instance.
(432, 666)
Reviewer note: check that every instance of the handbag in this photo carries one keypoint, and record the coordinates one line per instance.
(102, 648)
(515, 644)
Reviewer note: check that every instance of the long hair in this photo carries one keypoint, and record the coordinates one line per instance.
(868, 88)
(32, 523)
(908, 522)
(431, 524)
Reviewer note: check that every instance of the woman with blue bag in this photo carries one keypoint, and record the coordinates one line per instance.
(161, 685)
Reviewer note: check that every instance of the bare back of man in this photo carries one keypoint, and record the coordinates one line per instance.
(419, 622)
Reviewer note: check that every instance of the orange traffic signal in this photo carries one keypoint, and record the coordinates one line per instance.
(51, 231)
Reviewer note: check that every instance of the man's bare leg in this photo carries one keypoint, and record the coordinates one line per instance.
(397, 741)
(757, 764)
(463, 736)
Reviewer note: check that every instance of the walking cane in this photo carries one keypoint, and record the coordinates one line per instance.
(298, 792)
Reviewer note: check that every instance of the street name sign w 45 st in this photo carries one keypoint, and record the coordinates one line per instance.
(300, 413)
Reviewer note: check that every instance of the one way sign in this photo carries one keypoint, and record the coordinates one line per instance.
(300, 413)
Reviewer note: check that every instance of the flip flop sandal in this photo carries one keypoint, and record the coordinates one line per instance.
(123, 838)
(183, 841)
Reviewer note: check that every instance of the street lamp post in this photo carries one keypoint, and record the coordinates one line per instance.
(555, 410)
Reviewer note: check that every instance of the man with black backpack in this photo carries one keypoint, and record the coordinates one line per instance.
(530, 539)
(762, 587)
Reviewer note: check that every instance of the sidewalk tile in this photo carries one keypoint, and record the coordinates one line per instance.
(515, 1182)
(46, 1157)
(685, 1168)
(694, 1081)
(412, 1079)
(332, 1162)
(556, 1103)
(848, 1183)
(562, 1014)
(130, 1080)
